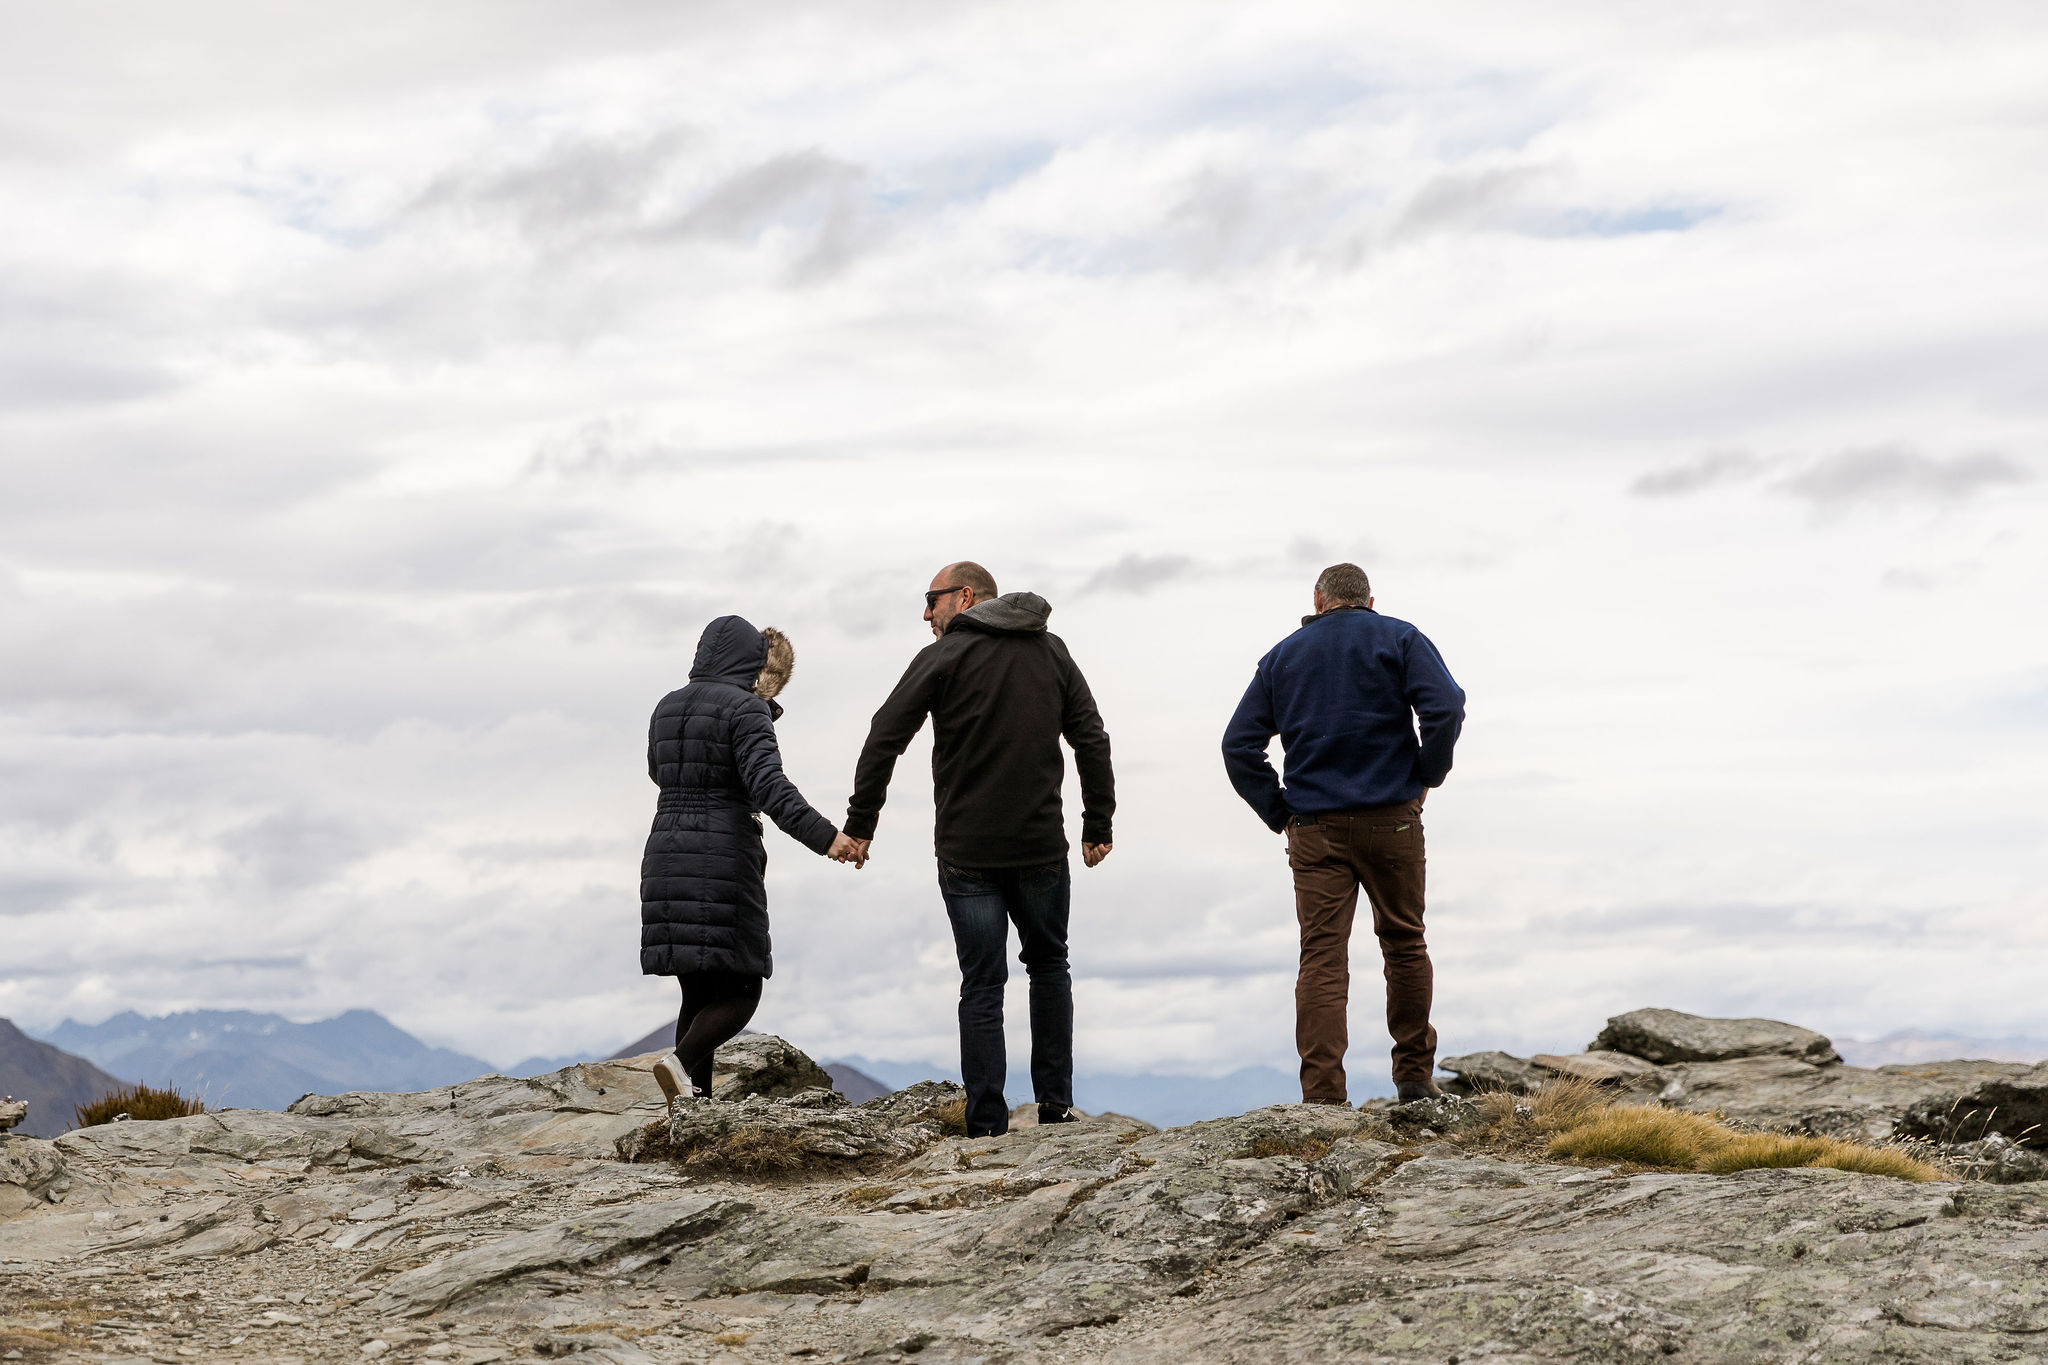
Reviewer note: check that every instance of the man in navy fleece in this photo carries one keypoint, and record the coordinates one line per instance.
(1346, 694)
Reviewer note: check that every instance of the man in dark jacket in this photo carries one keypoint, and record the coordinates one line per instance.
(1346, 693)
(1001, 692)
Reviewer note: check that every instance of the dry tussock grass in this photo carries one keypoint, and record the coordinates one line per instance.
(1307, 1148)
(866, 1196)
(137, 1102)
(951, 1118)
(750, 1151)
(1569, 1117)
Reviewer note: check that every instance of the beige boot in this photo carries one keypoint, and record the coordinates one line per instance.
(669, 1075)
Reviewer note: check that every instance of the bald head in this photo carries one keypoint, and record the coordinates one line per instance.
(954, 589)
(969, 574)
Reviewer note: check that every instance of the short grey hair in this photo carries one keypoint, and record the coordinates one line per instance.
(968, 574)
(1344, 585)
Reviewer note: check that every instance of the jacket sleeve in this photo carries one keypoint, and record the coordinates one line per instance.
(894, 726)
(1081, 724)
(1439, 706)
(759, 758)
(1245, 741)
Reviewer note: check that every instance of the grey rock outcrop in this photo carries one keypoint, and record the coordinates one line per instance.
(1666, 1036)
(767, 1134)
(1602, 1068)
(12, 1112)
(926, 1100)
(762, 1064)
(491, 1221)
(2014, 1104)
(1477, 1072)
(1997, 1159)
(31, 1174)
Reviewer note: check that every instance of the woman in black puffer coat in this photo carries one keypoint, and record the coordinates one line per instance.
(703, 905)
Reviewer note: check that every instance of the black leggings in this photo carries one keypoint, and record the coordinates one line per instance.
(716, 1006)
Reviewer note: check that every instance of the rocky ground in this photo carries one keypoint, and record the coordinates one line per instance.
(503, 1220)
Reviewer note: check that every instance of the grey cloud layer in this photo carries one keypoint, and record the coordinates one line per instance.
(1845, 479)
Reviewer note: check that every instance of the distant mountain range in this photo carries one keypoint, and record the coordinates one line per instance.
(244, 1060)
(53, 1081)
(1913, 1045)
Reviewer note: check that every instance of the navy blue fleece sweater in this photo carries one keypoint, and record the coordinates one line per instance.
(1346, 694)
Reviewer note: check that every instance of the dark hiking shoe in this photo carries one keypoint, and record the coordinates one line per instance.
(1416, 1090)
(1054, 1113)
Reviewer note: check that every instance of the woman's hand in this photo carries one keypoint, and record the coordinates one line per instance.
(848, 850)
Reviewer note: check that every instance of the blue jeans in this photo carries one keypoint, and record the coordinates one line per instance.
(982, 903)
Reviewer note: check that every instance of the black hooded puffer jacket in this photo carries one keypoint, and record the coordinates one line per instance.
(711, 747)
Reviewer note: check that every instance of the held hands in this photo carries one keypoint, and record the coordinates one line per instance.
(848, 850)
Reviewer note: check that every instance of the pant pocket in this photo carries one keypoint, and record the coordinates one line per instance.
(963, 881)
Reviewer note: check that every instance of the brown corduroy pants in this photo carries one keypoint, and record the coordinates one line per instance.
(1333, 854)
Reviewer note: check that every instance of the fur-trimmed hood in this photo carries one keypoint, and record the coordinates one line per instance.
(732, 651)
(780, 663)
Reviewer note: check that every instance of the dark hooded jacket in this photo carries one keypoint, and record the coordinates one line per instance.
(1001, 691)
(711, 747)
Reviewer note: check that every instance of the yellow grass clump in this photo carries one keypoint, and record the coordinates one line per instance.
(951, 1118)
(137, 1102)
(1573, 1118)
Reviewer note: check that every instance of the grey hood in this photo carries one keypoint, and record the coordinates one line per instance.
(1014, 613)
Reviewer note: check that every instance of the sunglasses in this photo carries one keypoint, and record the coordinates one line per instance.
(931, 599)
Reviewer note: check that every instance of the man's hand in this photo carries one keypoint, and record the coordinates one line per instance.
(1091, 854)
(848, 850)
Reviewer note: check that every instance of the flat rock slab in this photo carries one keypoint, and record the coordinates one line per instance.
(1788, 1095)
(1601, 1067)
(649, 1230)
(1535, 1264)
(1483, 1071)
(1666, 1036)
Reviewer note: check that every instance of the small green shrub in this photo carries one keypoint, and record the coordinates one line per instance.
(138, 1102)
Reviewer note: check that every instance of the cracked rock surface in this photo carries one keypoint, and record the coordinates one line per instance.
(496, 1221)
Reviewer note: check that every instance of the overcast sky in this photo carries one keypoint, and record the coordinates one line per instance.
(389, 394)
